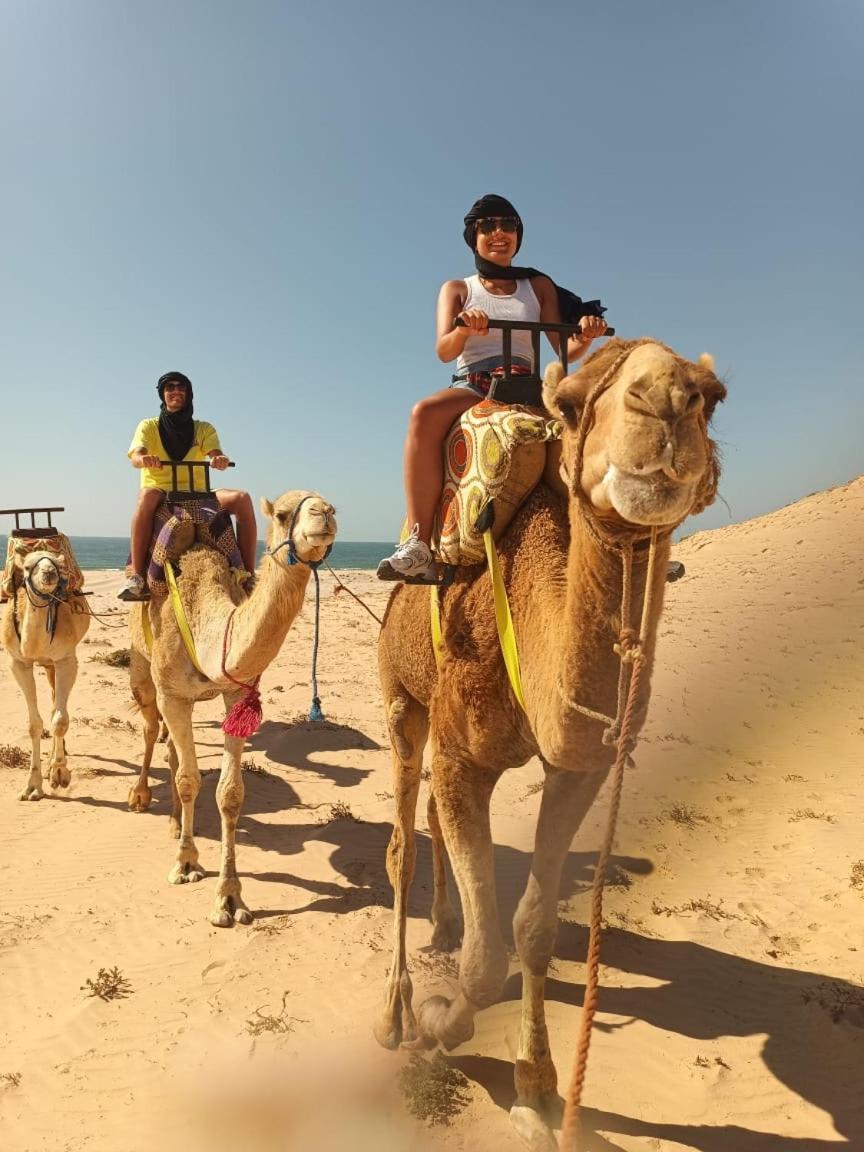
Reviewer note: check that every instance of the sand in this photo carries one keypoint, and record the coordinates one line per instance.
(731, 1012)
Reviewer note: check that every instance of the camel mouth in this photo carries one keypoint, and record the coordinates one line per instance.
(654, 498)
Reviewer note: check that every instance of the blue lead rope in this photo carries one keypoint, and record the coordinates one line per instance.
(315, 712)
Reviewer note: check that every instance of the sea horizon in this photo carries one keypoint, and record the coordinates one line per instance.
(97, 552)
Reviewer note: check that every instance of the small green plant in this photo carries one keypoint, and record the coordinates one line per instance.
(119, 658)
(12, 757)
(433, 1091)
(281, 1024)
(110, 984)
(809, 814)
(341, 811)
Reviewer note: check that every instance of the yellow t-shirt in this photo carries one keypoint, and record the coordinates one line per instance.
(205, 441)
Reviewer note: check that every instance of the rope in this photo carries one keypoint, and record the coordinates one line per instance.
(244, 719)
(315, 712)
(353, 595)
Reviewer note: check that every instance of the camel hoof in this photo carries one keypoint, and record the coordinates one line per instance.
(388, 1032)
(435, 1027)
(59, 776)
(188, 873)
(139, 800)
(447, 934)
(32, 793)
(230, 910)
(532, 1129)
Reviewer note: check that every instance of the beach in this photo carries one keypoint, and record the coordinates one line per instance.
(731, 1011)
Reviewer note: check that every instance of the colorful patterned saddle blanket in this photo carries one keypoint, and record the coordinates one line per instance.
(176, 527)
(21, 546)
(496, 452)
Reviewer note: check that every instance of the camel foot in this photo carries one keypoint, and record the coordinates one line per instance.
(186, 872)
(533, 1129)
(59, 776)
(139, 798)
(32, 792)
(447, 933)
(230, 910)
(438, 1024)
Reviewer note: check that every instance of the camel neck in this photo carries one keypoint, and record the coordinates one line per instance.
(261, 623)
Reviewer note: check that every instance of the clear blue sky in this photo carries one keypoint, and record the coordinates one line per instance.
(268, 195)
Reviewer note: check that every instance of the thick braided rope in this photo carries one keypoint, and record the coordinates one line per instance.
(571, 1127)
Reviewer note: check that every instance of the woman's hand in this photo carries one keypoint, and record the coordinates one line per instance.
(475, 319)
(591, 327)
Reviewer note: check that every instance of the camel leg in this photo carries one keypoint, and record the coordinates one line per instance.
(144, 691)
(567, 796)
(446, 927)
(408, 722)
(462, 793)
(173, 764)
(62, 678)
(26, 681)
(230, 791)
(178, 716)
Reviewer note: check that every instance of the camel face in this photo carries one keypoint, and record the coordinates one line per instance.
(647, 458)
(307, 517)
(44, 570)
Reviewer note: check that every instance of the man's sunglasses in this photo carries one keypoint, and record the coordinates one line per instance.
(497, 223)
(173, 386)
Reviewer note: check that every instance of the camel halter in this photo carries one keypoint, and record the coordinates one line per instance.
(48, 600)
(315, 711)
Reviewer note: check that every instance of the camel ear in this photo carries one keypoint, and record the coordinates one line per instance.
(562, 396)
(60, 560)
(266, 506)
(710, 385)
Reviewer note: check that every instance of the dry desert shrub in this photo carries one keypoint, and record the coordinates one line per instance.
(119, 658)
(110, 984)
(12, 757)
(433, 1091)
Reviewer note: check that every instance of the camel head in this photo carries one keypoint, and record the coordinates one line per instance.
(43, 571)
(637, 414)
(306, 518)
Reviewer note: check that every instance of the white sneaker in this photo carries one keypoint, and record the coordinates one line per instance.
(412, 558)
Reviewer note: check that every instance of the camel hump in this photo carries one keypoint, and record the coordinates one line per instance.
(495, 452)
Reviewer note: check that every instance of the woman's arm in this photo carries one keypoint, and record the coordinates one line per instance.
(450, 341)
(591, 326)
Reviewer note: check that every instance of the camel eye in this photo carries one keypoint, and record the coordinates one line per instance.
(695, 402)
(281, 517)
(568, 411)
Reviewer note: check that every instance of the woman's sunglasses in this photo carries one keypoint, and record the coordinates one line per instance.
(497, 223)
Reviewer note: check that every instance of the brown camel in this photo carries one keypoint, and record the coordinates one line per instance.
(38, 577)
(249, 631)
(636, 458)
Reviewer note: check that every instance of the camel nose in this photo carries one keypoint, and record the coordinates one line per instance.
(665, 399)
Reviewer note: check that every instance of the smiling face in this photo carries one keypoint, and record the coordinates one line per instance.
(496, 239)
(647, 457)
(175, 396)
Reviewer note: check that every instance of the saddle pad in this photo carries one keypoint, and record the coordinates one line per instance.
(176, 527)
(20, 546)
(494, 452)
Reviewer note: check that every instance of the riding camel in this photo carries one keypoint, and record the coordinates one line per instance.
(636, 460)
(235, 638)
(41, 625)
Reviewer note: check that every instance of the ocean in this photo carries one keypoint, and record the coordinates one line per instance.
(94, 552)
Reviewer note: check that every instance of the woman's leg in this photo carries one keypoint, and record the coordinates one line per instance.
(431, 420)
(239, 504)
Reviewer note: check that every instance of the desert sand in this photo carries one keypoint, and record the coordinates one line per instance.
(732, 1009)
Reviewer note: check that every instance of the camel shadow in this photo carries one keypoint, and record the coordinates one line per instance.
(813, 1026)
(292, 746)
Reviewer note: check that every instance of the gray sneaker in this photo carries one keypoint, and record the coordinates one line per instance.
(135, 589)
(412, 559)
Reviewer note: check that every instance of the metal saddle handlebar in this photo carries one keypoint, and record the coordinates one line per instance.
(177, 493)
(529, 326)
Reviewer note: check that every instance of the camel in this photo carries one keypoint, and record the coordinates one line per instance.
(235, 637)
(40, 628)
(636, 460)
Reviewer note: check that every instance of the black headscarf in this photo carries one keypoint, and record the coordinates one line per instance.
(176, 429)
(571, 306)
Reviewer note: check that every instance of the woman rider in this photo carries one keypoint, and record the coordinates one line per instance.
(498, 291)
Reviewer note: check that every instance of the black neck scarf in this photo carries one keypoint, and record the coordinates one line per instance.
(177, 430)
(571, 306)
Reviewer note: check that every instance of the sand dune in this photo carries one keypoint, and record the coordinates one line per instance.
(732, 1010)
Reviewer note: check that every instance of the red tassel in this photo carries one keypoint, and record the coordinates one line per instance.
(244, 719)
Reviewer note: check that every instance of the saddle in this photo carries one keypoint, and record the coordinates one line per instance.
(177, 525)
(19, 545)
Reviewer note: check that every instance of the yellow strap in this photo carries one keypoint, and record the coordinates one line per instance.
(503, 620)
(145, 624)
(435, 611)
(180, 617)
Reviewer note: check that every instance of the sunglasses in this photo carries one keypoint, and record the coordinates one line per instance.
(173, 387)
(497, 223)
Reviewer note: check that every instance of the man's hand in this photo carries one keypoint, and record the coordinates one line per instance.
(219, 462)
(146, 461)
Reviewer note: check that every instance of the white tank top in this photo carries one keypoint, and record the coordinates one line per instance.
(521, 305)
